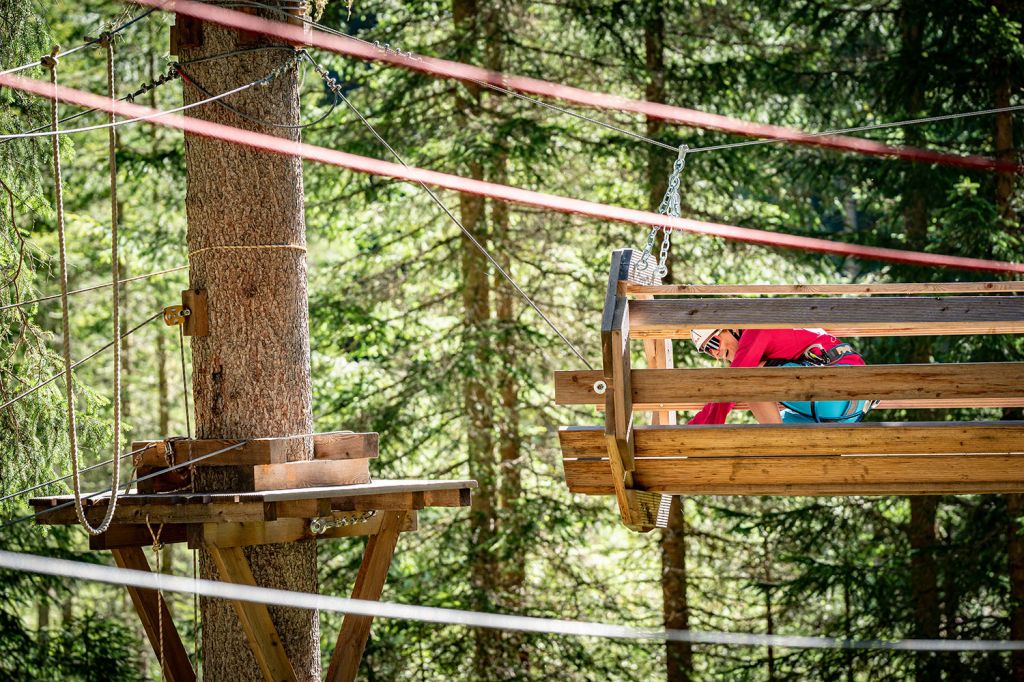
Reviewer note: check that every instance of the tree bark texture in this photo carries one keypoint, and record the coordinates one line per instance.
(477, 356)
(251, 375)
(675, 605)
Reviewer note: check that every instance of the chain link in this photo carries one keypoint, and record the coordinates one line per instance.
(322, 524)
(671, 206)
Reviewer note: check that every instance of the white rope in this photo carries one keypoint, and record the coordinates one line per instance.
(78, 570)
(76, 483)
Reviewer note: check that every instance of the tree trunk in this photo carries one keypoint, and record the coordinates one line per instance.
(477, 403)
(251, 375)
(675, 605)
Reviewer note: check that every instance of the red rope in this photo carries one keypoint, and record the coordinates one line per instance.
(448, 69)
(491, 190)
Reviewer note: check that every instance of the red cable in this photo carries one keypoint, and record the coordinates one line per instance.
(492, 190)
(299, 35)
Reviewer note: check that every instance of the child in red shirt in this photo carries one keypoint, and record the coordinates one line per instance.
(780, 347)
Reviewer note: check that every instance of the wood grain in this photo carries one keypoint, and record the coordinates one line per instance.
(815, 475)
(899, 316)
(789, 440)
(878, 288)
(653, 387)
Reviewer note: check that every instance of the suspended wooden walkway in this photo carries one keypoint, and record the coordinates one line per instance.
(640, 463)
(329, 497)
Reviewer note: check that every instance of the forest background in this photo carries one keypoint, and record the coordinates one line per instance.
(413, 335)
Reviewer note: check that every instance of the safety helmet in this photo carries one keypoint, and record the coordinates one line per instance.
(705, 339)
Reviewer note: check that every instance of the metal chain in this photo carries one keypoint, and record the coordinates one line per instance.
(322, 524)
(671, 206)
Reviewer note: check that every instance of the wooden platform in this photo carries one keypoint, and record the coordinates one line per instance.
(223, 524)
(638, 463)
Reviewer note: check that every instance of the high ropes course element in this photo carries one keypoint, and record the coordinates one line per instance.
(341, 44)
(641, 465)
(332, 495)
(277, 145)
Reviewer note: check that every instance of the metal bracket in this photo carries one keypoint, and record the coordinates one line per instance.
(175, 315)
(191, 314)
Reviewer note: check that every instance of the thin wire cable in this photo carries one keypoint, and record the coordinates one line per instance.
(121, 577)
(469, 235)
(184, 380)
(130, 97)
(659, 143)
(249, 117)
(21, 304)
(89, 43)
(163, 112)
(88, 357)
(64, 478)
(160, 472)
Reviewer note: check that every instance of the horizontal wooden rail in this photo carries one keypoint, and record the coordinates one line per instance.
(789, 440)
(823, 475)
(903, 316)
(965, 385)
(876, 289)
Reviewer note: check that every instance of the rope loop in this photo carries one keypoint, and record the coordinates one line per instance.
(50, 61)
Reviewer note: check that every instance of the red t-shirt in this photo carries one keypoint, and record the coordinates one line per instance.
(757, 345)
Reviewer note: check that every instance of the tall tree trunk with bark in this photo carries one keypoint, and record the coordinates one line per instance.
(675, 605)
(476, 350)
(251, 375)
(924, 575)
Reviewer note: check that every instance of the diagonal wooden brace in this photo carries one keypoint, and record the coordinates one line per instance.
(151, 610)
(355, 630)
(259, 628)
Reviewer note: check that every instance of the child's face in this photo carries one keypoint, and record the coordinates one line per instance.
(727, 345)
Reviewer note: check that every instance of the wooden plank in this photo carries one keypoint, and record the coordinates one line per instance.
(345, 445)
(902, 316)
(255, 451)
(655, 387)
(325, 492)
(264, 641)
(373, 571)
(616, 369)
(814, 475)
(176, 665)
(159, 513)
(134, 535)
(877, 288)
(312, 474)
(282, 530)
(404, 501)
(772, 440)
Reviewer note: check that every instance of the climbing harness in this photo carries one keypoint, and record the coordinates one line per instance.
(50, 61)
(823, 411)
(670, 206)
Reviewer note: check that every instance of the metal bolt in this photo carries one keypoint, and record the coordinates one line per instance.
(600, 387)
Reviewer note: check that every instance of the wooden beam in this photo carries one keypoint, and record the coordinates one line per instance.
(176, 665)
(369, 584)
(812, 475)
(315, 473)
(157, 513)
(282, 530)
(134, 535)
(334, 445)
(787, 440)
(963, 383)
(264, 641)
(877, 288)
(674, 318)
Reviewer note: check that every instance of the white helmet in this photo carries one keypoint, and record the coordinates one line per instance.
(701, 337)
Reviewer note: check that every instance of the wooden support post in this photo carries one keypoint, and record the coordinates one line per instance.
(151, 610)
(355, 630)
(259, 629)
